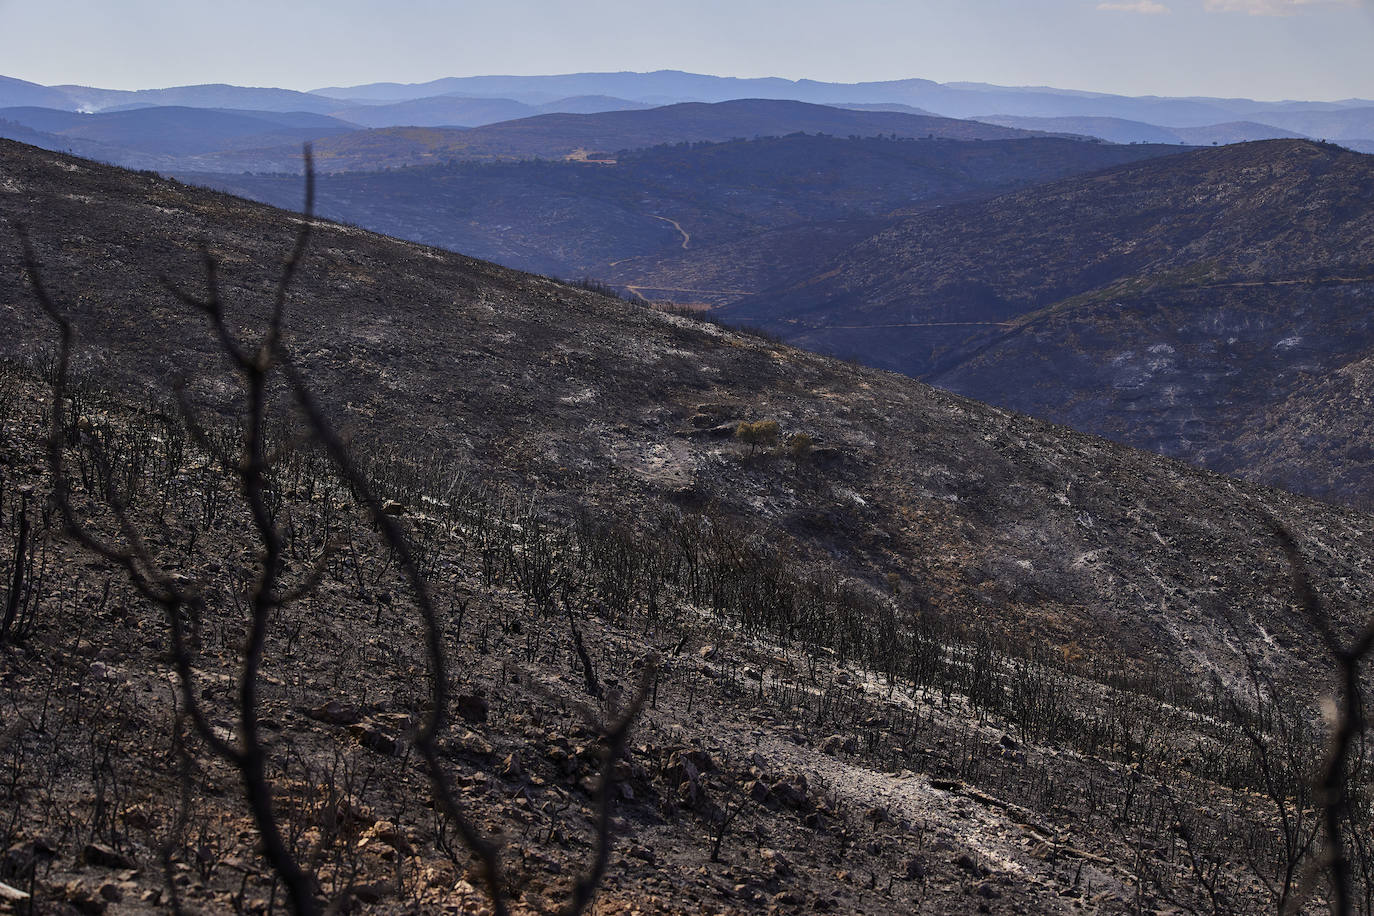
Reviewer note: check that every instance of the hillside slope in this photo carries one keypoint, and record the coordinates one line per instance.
(985, 513)
(956, 100)
(1052, 608)
(1166, 304)
(676, 222)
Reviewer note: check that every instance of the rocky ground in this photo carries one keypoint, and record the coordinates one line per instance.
(762, 775)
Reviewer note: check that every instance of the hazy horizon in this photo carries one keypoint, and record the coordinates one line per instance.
(1259, 49)
(417, 82)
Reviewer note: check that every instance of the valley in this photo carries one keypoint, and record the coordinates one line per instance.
(799, 198)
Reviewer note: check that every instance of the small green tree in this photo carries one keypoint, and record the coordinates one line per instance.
(759, 433)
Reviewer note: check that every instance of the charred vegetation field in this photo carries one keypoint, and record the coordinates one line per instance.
(588, 599)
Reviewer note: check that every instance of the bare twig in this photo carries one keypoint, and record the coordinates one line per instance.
(172, 595)
(615, 736)
(1348, 726)
(256, 367)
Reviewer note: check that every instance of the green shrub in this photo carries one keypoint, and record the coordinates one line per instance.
(759, 433)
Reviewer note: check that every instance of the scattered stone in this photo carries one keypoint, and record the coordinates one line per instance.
(103, 856)
(561, 758)
(837, 744)
(11, 894)
(878, 815)
(393, 508)
(373, 738)
(703, 760)
(781, 866)
(967, 863)
(23, 857)
(473, 708)
(82, 899)
(372, 893)
(391, 835)
(687, 765)
(643, 853)
(691, 792)
(474, 745)
(335, 713)
(791, 792)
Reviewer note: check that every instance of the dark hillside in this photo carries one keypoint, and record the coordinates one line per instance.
(1168, 304)
(625, 223)
(985, 514)
(935, 656)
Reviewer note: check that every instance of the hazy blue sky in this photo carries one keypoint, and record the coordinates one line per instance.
(1254, 48)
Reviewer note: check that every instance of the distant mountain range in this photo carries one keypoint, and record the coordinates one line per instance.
(1120, 130)
(461, 111)
(474, 101)
(1351, 127)
(221, 140)
(558, 136)
(709, 222)
(963, 100)
(1201, 305)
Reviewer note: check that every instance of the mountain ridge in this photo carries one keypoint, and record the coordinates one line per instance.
(1258, 244)
(557, 135)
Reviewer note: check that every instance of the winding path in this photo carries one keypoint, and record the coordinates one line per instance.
(678, 226)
